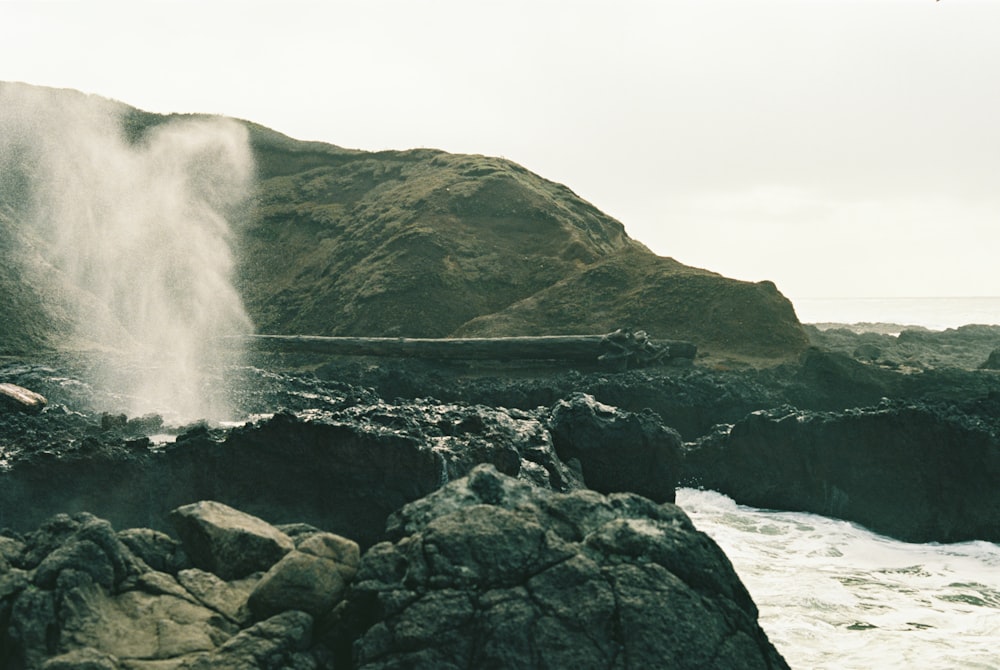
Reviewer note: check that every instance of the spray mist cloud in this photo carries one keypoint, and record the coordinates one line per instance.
(142, 229)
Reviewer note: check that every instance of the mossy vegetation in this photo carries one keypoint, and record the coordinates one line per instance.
(423, 243)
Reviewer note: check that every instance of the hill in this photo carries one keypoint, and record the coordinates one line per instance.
(418, 243)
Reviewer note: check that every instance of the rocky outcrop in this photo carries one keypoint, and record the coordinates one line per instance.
(492, 572)
(489, 571)
(73, 595)
(617, 451)
(345, 470)
(916, 472)
(228, 542)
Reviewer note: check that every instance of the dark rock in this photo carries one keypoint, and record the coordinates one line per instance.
(158, 550)
(345, 471)
(992, 362)
(617, 450)
(313, 578)
(492, 572)
(917, 472)
(867, 352)
(82, 659)
(226, 598)
(227, 542)
(82, 544)
(278, 643)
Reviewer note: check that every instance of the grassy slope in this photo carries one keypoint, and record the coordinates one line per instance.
(637, 289)
(425, 243)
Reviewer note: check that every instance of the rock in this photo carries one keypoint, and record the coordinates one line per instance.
(158, 550)
(227, 542)
(492, 572)
(227, 598)
(992, 362)
(311, 579)
(298, 582)
(80, 544)
(917, 472)
(16, 398)
(342, 471)
(617, 450)
(85, 658)
(867, 352)
(278, 643)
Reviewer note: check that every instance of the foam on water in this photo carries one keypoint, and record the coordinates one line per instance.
(834, 595)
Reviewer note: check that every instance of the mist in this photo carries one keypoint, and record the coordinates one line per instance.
(141, 232)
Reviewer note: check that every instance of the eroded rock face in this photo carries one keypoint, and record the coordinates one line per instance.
(73, 596)
(492, 572)
(917, 472)
(227, 542)
(618, 451)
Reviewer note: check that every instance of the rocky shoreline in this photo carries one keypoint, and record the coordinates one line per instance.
(513, 517)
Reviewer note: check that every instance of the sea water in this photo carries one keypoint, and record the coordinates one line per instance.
(933, 313)
(834, 595)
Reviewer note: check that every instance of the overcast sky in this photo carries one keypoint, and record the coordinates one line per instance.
(836, 147)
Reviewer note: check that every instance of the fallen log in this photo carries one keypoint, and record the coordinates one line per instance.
(19, 399)
(619, 349)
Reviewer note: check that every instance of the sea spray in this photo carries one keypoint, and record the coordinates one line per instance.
(138, 230)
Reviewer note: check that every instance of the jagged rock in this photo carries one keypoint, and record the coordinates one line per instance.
(16, 398)
(278, 643)
(617, 450)
(920, 473)
(312, 578)
(344, 471)
(227, 542)
(992, 362)
(227, 598)
(81, 544)
(158, 550)
(492, 572)
(85, 658)
(10, 551)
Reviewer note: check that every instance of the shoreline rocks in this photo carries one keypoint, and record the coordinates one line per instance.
(920, 473)
(489, 568)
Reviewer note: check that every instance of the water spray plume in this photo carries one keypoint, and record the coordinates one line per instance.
(142, 230)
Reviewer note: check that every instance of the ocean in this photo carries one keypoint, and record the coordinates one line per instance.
(933, 313)
(833, 595)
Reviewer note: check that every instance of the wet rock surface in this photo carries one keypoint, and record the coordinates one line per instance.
(489, 571)
(917, 472)
(909, 452)
(492, 572)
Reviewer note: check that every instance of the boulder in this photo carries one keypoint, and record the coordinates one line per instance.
(617, 450)
(227, 598)
(313, 578)
(492, 572)
(85, 658)
(80, 598)
(16, 398)
(342, 471)
(992, 362)
(158, 550)
(917, 472)
(227, 542)
(279, 643)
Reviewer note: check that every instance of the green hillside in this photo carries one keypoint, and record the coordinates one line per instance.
(423, 243)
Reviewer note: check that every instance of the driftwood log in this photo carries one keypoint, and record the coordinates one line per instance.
(619, 349)
(19, 399)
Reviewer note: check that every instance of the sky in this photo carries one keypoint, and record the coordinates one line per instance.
(840, 148)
